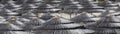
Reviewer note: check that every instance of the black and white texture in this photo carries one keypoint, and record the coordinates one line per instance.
(59, 17)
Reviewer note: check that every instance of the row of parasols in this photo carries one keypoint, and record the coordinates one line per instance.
(13, 7)
(54, 24)
(22, 17)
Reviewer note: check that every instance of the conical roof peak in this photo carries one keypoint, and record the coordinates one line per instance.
(33, 23)
(57, 20)
(107, 12)
(82, 17)
(106, 22)
(107, 4)
(29, 14)
(7, 25)
(110, 19)
(46, 16)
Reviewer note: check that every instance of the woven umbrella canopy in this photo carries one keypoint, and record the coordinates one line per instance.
(112, 12)
(1, 5)
(9, 26)
(2, 19)
(104, 31)
(71, 9)
(25, 6)
(59, 23)
(5, 1)
(33, 1)
(54, 7)
(34, 5)
(4, 11)
(108, 21)
(11, 5)
(103, 14)
(7, 12)
(83, 17)
(68, 6)
(15, 20)
(88, 6)
(29, 4)
(33, 23)
(19, 2)
(60, 26)
(72, 31)
(118, 9)
(91, 10)
(52, 1)
(44, 8)
(29, 15)
(86, 3)
(58, 20)
(22, 19)
(46, 16)
(108, 4)
(16, 32)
